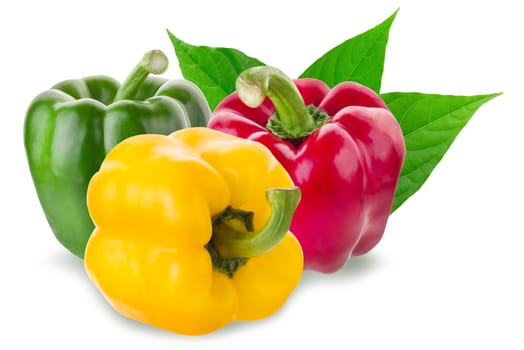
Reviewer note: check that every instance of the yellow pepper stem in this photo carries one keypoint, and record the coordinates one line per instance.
(233, 235)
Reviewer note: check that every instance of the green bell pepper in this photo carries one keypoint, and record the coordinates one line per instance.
(70, 128)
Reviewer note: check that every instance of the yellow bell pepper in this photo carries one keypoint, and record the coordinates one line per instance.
(192, 230)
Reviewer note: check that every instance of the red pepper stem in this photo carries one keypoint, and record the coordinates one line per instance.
(254, 84)
(233, 240)
(154, 61)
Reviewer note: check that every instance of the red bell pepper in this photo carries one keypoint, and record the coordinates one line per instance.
(342, 147)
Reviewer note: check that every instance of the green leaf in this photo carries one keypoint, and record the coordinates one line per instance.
(213, 69)
(359, 59)
(429, 123)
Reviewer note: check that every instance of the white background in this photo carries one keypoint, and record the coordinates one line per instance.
(448, 273)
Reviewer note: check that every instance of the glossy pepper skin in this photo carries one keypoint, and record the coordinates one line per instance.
(159, 202)
(70, 128)
(347, 162)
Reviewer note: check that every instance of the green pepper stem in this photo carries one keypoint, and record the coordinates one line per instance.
(233, 240)
(154, 61)
(255, 83)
